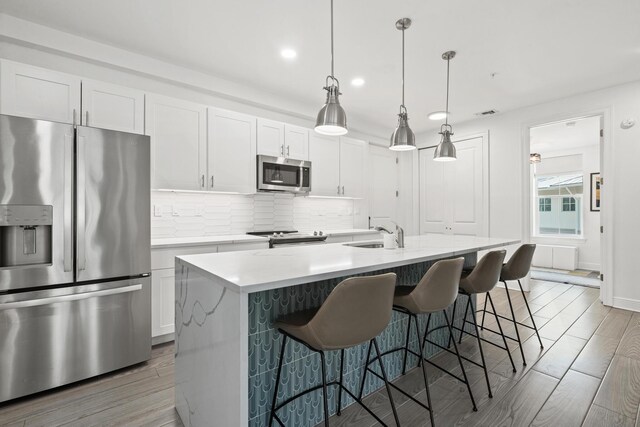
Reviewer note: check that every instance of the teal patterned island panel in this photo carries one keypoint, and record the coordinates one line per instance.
(302, 370)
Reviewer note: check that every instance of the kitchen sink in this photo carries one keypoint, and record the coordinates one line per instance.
(367, 245)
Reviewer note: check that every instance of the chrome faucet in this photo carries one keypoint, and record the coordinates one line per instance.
(399, 234)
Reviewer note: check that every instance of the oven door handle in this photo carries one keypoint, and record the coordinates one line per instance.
(66, 298)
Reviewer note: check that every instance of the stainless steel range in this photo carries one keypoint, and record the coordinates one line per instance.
(278, 239)
(75, 292)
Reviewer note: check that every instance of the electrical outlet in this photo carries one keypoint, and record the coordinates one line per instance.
(157, 210)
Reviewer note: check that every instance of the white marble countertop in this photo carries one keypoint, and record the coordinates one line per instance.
(350, 232)
(205, 240)
(258, 270)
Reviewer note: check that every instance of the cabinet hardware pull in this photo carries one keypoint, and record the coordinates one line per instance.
(202, 179)
(74, 116)
(211, 181)
(343, 190)
(338, 189)
(282, 150)
(287, 151)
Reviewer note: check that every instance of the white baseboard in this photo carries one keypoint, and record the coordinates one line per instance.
(161, 339)
(589, 266)
(626, 304)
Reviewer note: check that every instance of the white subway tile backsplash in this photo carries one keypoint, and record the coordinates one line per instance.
(176, 214)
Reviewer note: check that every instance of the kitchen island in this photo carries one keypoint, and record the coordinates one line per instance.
(227, 351)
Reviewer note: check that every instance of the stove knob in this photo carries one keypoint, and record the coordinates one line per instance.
(281, 234)
(320, 233)
(315, 233)
(275, 234)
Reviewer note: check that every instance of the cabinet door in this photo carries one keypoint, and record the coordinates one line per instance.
(324, 153)
(353, 155)
(232, 151)
(178, 131)
(271, 138)
(434, 200)
(296, 141)
(38, 93)
(108, 106)
(383, 183)
(162, 302)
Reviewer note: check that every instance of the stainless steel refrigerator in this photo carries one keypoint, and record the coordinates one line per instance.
(75, 291)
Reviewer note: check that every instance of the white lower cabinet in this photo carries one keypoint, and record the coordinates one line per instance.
(163, 282)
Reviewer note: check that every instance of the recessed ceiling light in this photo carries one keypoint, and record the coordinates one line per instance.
(358, 81)
(437, 115)
(288, 53)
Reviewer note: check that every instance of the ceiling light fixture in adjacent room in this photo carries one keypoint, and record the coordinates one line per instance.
(288, 53)
(332, 120)
(446, 151)
(357, 82)
(403, 138)
(437, 115)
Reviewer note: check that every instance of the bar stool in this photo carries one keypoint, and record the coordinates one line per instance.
(356, 311)
(518, 268)
(482, 279)
(436, 291)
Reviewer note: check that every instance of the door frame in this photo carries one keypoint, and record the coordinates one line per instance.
(486, 209)
(607, 199)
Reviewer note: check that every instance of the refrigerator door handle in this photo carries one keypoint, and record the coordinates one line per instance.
(67, 298)
(68, 203)
(81, 200)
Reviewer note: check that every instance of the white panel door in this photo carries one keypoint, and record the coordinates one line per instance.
(162, 302)
(38, 93)
(353, 158)
(383, 183)
(465, 179)
(324, 153)
(453, 194)
(232, 151)
(108, 106)
(434, 208)
(271, 138)
(178, 131)
(296, 141)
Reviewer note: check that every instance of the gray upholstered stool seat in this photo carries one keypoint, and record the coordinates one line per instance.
(355, 312)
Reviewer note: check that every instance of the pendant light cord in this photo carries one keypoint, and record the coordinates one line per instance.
(332, 40)
(403, 28)
(446, 120)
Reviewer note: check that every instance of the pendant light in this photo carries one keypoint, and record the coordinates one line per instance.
(446, 151)
(403, 139)
(332, 120)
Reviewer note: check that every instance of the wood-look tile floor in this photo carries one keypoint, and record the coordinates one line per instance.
(587, 374)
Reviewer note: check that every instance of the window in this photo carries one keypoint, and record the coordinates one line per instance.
(559, 200)
(544, 204)
(568, 204)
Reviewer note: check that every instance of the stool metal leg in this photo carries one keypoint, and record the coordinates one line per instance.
(386, 380)
(406, 345)
(464, 321)
(324, 389)
(424, 339)
(515, 323)
(530, 315)
(464, 372)
(364, 374)
(484, 311)
(341, 382)
(275, 392)
(453, 320)
(484, 363)
(424, 373)
(495, 313)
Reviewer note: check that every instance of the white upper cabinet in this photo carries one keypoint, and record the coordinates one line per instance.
(271, 138)
(178, 131)
(353, 157)
(296, 141)
(108, 106)
(324, 153)
(38, 93)
(232, 151)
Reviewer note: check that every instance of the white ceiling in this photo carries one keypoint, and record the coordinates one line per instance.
(540, 50)
(566, 135)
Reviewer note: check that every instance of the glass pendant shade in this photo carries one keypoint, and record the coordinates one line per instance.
(535, 158)
(445, 151)
(332, 120)
(403, 138)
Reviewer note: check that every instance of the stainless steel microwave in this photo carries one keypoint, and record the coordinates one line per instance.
(282, 174)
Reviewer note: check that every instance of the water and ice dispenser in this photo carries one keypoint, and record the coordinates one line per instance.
(25, 235)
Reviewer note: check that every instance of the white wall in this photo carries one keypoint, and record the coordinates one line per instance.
(589, 244)
(509, 170)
